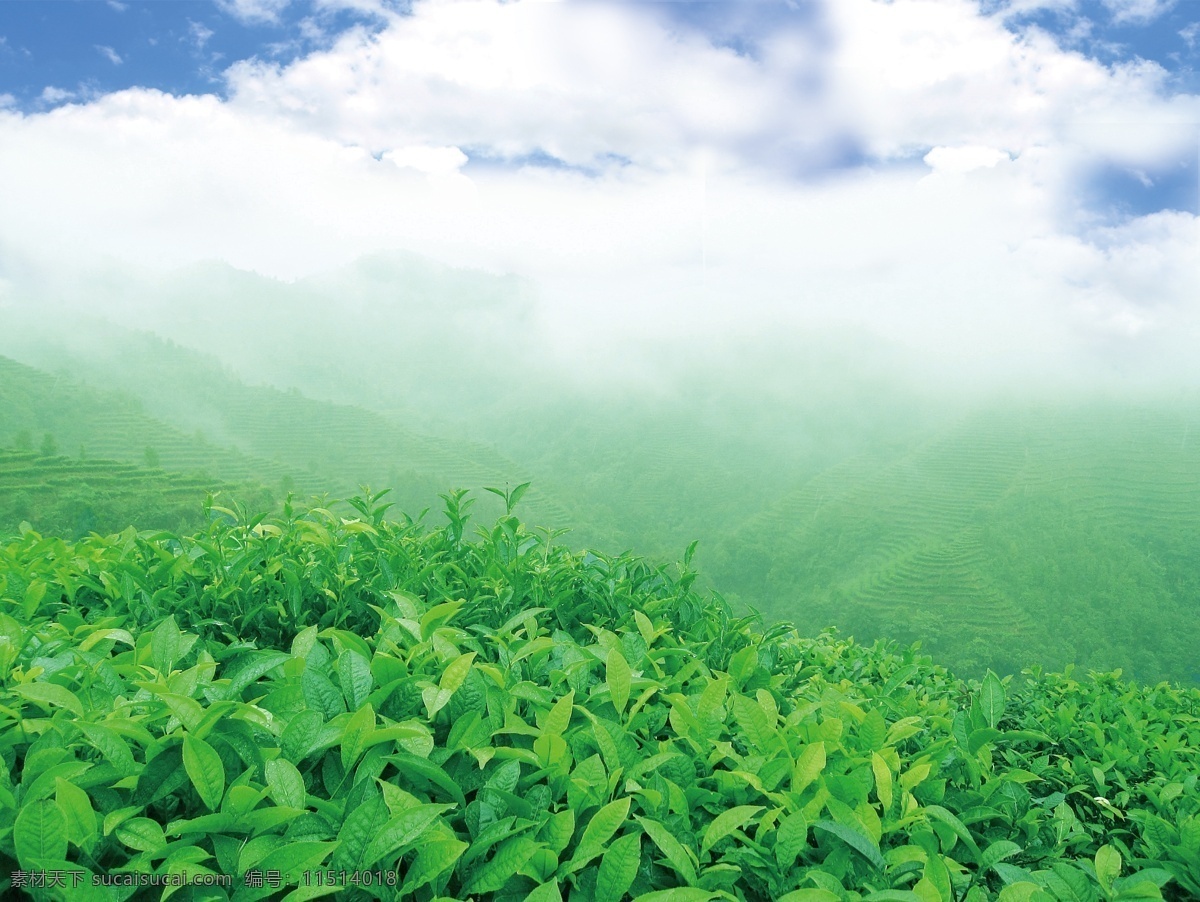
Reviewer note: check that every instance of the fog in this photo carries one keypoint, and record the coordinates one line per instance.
(622, 214)
(787, 292)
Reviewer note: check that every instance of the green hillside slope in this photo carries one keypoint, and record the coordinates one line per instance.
(1053, 534)
(79, 420)
(73, 497)
(338, 705)
(336, 446)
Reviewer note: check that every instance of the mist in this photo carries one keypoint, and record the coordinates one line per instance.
(785, 296)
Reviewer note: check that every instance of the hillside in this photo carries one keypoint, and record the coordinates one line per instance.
(998, 534)
(72, 497)
(338, 447)
(71, 417)
(342, 704)
(1054, 534)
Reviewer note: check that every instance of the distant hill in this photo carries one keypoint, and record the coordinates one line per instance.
(178, 403)
(71, 497)
(70, 417)
(1052, 534)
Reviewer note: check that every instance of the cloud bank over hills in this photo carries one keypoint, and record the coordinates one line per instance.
(922, 169)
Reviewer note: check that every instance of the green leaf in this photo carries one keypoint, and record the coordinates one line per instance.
(790, 839)
(809, 766)
(937, 812)
(677, 894)
(725, 823)
(860, 842)
(204, 768)
(40, 831)
(547, 892)
(300, 735)
(677, 856)
(402, 831)
(456, 673)
(355, 734)
(141, 833)
(883, 780)
(873, 731)
(509, 858)
(600, 829)
(618, 868)
(284, 783)
(50, 694)
(295, 858)
(559, 716)
(111, 745)
(1069, 883)
(434, 858)
(618, 679)
(361, 826)
(991, 699)
(981, 737)
(162, 775)
(354, 673)
(812, 894)
(166, 643)
(320, 694)
(77, 807)
(750, 716)
(1108, 866)
(997, 852)
(249, 669)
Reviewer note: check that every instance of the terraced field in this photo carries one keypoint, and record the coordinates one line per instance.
(72, 497)
(173, 400)
(82, 421)
(1018, 535)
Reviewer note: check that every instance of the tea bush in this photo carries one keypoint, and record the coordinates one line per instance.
(370, 708)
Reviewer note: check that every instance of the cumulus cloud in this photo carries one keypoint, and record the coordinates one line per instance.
(638, 172)
(254, 11)
(963, 159)
(109, 54)
(1137, 12)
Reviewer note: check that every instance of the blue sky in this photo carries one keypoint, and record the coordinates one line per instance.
(1018, 175)
(86, 47)
(183, 46)
(60, 51)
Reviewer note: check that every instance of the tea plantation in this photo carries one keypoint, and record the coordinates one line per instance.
(339, 704)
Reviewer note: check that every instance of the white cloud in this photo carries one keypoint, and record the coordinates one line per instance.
(52, 95)
(680, 209)
(254, 11)
(577, 82)
(964, 159)
(1190, 33)
(200, 33)
(1138, 12)
(109, 54)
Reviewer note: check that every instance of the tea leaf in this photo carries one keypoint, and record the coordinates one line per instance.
(40, 832)
(855, 840)
(725, 823)
(600, 829)
(50, 694)
(992, 699)
(618, 679)
(618, 868)
(204, 768)
(285, 784)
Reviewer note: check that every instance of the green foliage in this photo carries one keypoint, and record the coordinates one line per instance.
(75, 497)
(500, 717)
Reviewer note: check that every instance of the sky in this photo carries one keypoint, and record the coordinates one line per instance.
(1011, 184)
